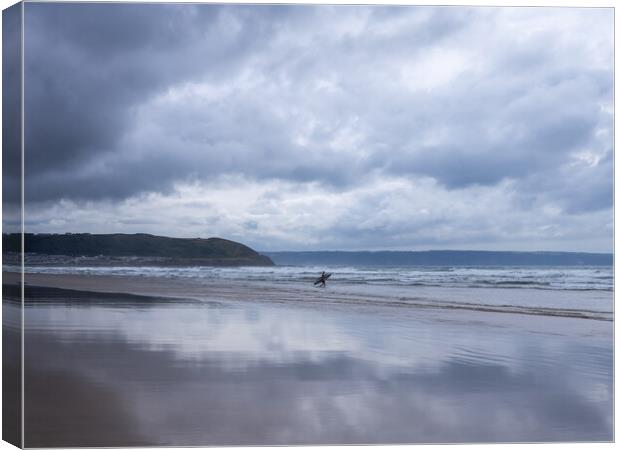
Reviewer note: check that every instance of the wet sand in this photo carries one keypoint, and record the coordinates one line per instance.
(230, 366)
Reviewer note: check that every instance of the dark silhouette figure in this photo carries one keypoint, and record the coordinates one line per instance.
(324, 276)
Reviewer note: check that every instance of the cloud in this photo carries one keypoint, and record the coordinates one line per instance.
(89, 65)
(11, 111)
(399, 214)
(126, 102)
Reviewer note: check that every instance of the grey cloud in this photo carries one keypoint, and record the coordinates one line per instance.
(124, 100)
(11, 113)
(507, 134)
(578, 189)
(87, 65)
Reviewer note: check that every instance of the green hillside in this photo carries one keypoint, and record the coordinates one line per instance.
(212, 250)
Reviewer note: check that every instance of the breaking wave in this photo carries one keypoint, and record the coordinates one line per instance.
(555, 278)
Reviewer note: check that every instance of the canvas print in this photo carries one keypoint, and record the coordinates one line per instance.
(245, 224)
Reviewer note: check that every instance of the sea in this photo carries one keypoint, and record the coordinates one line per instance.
(572, 278)
(573, 291)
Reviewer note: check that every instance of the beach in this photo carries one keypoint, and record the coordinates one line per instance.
(138, 360)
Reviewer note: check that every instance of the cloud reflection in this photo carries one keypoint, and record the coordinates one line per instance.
(209, 376)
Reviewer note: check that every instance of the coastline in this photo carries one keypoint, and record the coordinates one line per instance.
(470, 300)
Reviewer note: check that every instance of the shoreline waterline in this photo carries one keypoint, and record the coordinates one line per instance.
(504, 301)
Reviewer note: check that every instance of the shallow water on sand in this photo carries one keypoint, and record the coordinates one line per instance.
(110, 369)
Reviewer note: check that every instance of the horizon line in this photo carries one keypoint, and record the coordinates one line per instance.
(433, 250)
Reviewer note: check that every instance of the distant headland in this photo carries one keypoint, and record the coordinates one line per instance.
(178, 251)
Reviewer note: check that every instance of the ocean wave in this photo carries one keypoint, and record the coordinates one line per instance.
(554, 278)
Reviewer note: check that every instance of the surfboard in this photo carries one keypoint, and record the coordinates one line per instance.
(325, 277)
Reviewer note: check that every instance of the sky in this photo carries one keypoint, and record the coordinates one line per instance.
(322, 127)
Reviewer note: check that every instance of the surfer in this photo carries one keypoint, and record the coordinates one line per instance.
(322, 279)
(324, 276)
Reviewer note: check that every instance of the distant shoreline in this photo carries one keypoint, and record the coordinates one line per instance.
(441, 258)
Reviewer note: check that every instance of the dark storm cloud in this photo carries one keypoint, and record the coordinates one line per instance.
(11, 109)
(83, 70)
(507, 111)
(87, 65)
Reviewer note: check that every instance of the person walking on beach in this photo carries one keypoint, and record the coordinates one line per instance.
(324, 276)
(323, 279)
